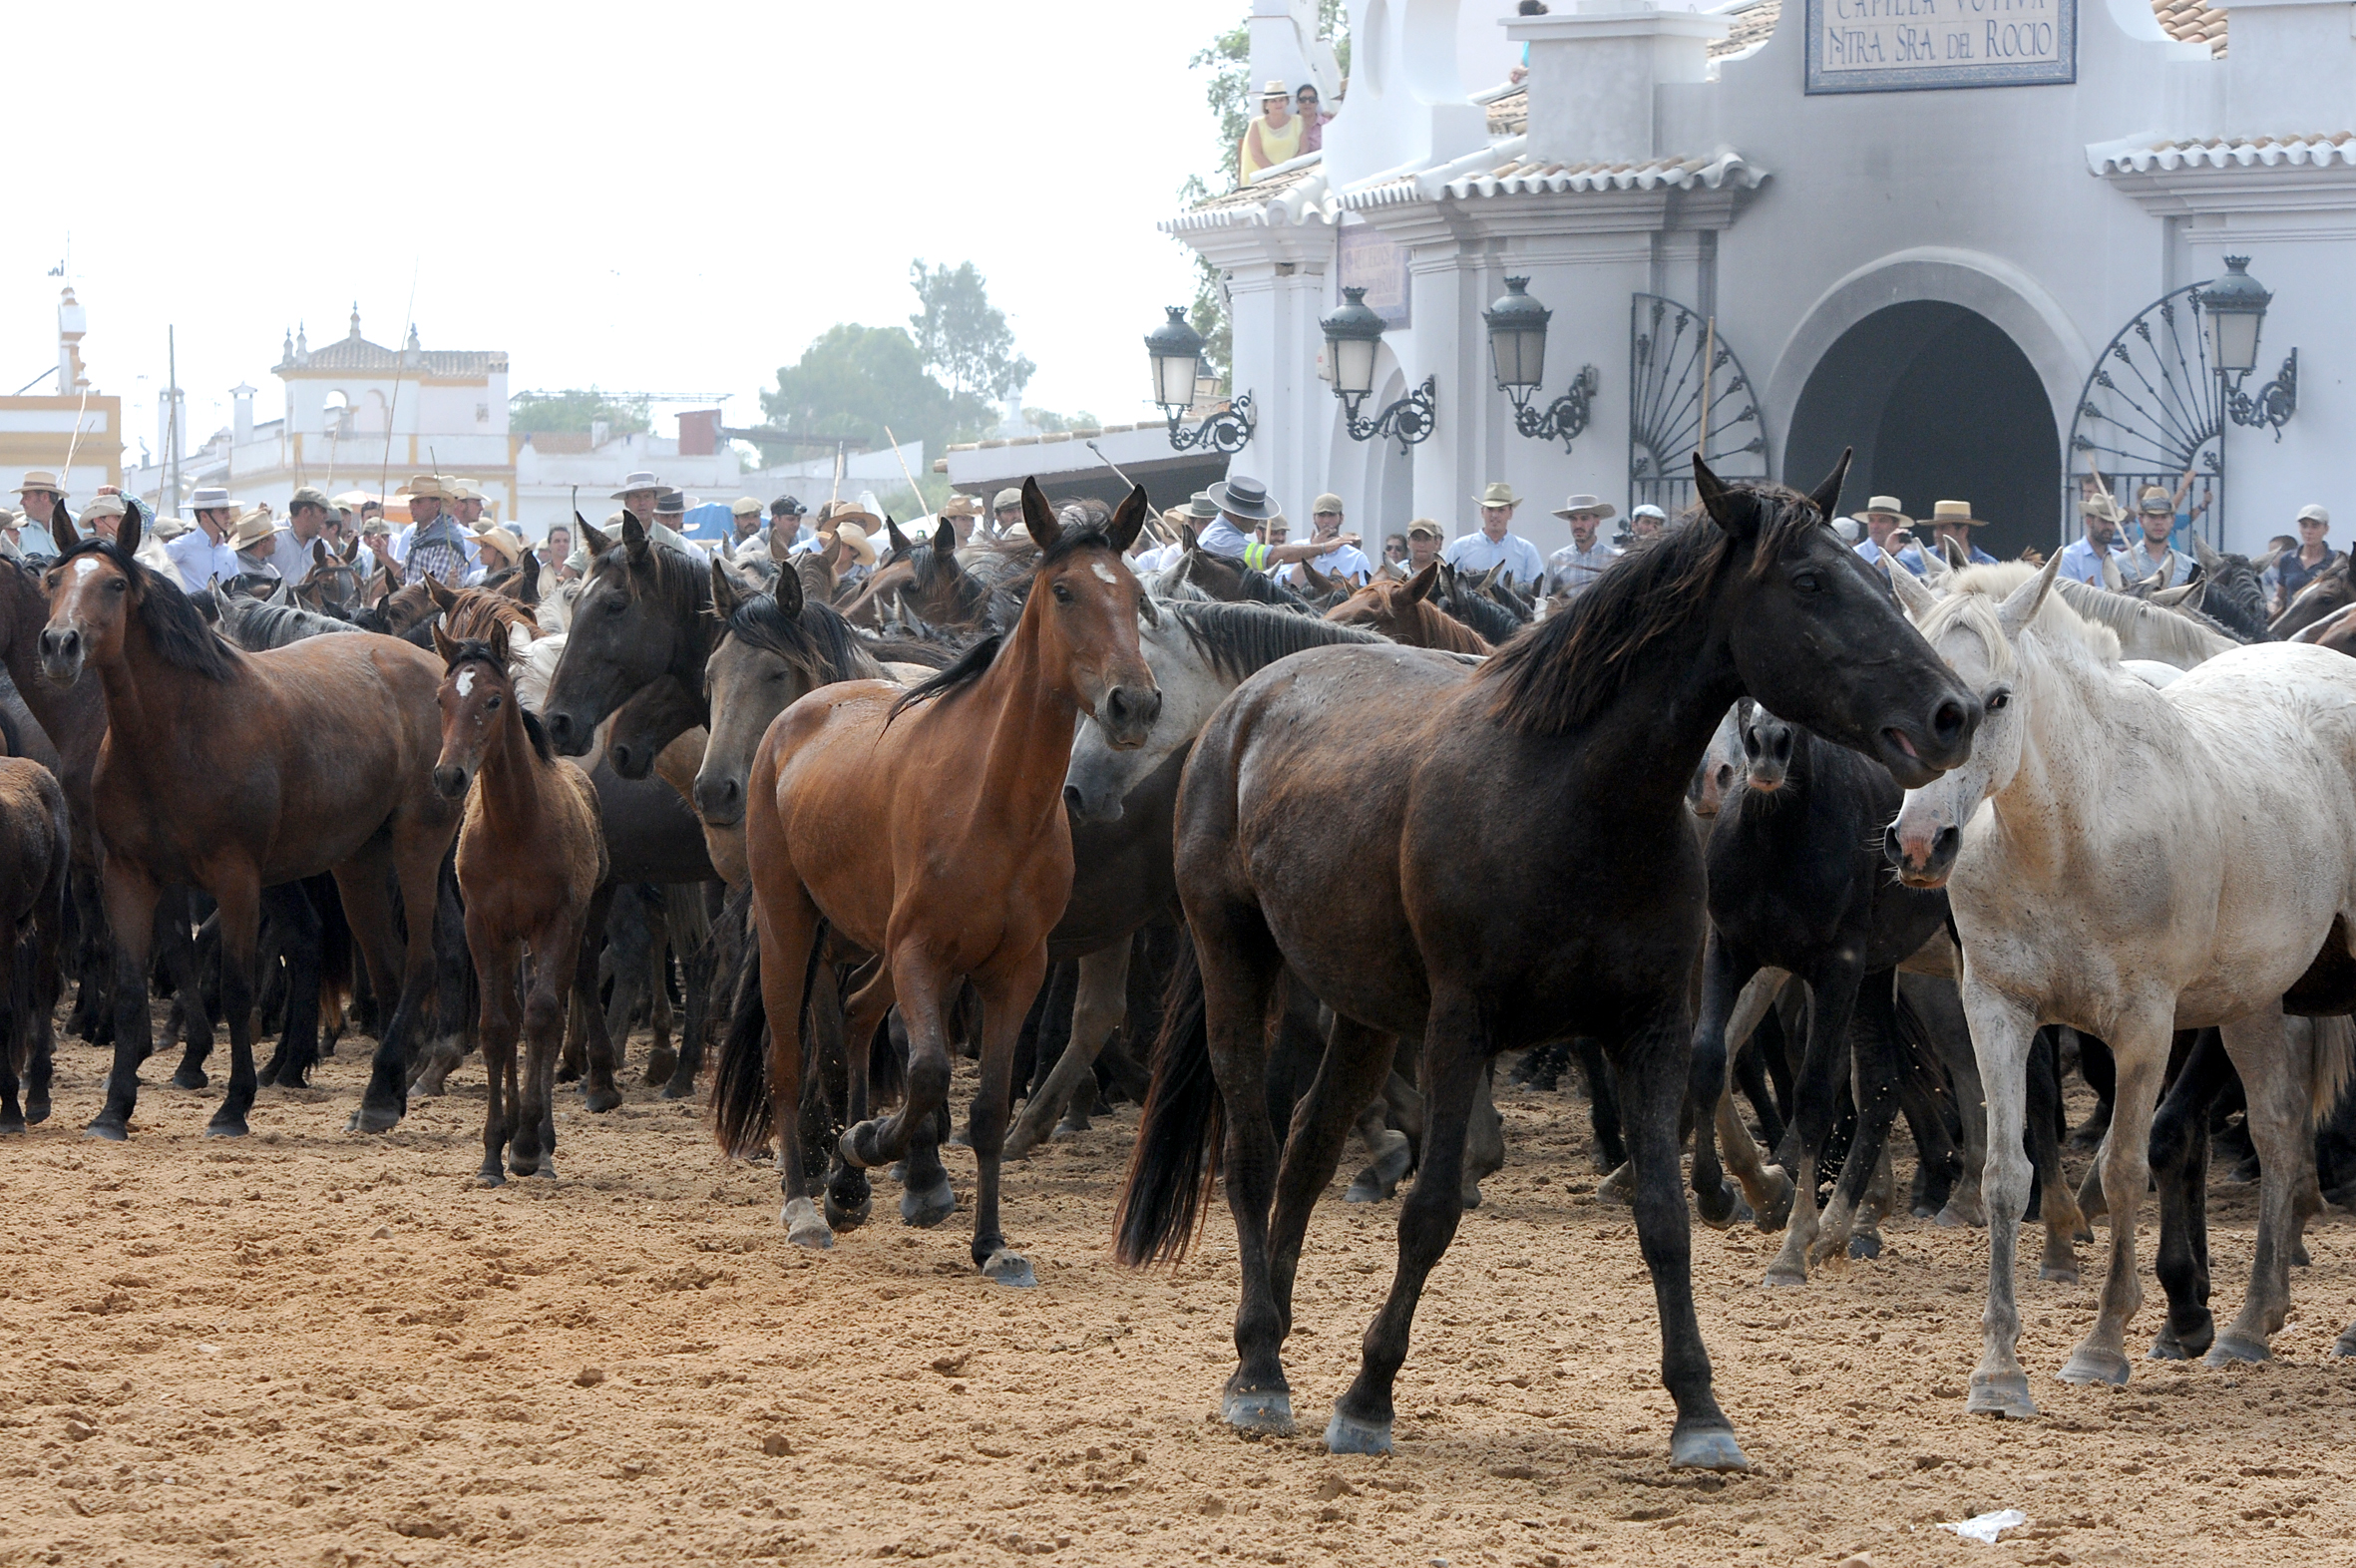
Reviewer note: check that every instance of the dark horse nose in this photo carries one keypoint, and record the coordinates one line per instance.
(450, 781)
(1130, 711)
(720, 801)
(1952, 723)
(1944, 846)
(1073, 800)
(59, 644)
(559, 725)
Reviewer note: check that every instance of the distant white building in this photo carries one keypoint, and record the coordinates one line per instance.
(40, 431)
(557, 472)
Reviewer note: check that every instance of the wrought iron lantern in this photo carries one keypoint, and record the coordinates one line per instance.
(1175, 351)
(1517, 350)
(2233, 313)
(1353, 334)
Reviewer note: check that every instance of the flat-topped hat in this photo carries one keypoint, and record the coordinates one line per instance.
(42, 479)
(1200, 507)
(252, 528)
(1887, 503)
(745, 506)
(502, 539)
(632, 482)
(1240, 497)
(427, 486)
(2155, 497)
(1497, 493)
(1955, 513)
(103, 507)
(1275, 89)
(1586, 506)
(212, 498)
(309, 496)
(671, 504)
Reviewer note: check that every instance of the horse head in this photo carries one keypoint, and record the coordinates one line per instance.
(1083, 611)
(1767, 748)
(476, 695)
(94, 589)
(639, 614)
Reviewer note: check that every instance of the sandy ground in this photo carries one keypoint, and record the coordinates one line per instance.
(313, 1349)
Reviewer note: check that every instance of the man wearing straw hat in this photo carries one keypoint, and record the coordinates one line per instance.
(1953, 520)
(1572, 570)
(42, 498)
(256, 540)
(437, 548)
(640, 491)
(496, 549)
(2151, 558)
(204, 554)
(2082, 558)
(958, 514)
(1491, 544)
(1886, 523)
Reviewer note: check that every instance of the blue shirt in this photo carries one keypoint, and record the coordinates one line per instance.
(2079, 563)
(200, 559)
(1222, 538)
(1910, 557)
(2137, 565)
(1476, 553)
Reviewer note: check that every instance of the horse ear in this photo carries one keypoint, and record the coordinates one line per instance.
(442, 596)
(1038, 517)
(133, 525)
(1956, 559)
(1914, 595)
(900, 544)
(832, 556)
(61, 530)
(351, 551)
(1828, 495)
(442, 643)
(1128, 519)
(788, 593)
(1186, 538)
(2110, 577)
(2020, 607)
(284, 594)
(1318, 582)
(595, 540)
(2185, 595)
(2210, 560)
(1736, 515)
(1420, 584)
(634, 537)
(1489, 577)
(528, 582)
(318, 554)
(781, 542)
(726, 597)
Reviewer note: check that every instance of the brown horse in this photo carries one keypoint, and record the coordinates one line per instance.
(531, 858)
(234, 772)
(1403, 613)
(925, 827)
(35, 852)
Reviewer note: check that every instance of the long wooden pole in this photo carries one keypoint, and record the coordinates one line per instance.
(1709, 355)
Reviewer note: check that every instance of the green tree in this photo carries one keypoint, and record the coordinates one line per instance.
(573, 411)
(961, 337)
(854, 381)
(1049, 423)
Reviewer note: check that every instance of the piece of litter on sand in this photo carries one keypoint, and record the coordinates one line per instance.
(210, 1350)
(1986, 1527)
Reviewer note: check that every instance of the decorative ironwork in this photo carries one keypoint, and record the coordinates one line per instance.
(1676, 404)
(1409, 419)
(2153, 410)
(1225, 431)
(1565, 419)
(2276, 401)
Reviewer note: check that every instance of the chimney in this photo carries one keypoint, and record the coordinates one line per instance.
(699, 432)
(71, 324)
(242, 420)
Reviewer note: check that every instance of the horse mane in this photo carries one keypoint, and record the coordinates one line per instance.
(10, 735)
(2236, 598)
(1437, 628)
(1239, 639)
(668, 572)
(1482, 613)
(498, 656)
(1563, 671)
(976, 659)
(1979, 589)
(478, 612)
(818, 643)
(257, 624)
(2184, 636)
(177, 634)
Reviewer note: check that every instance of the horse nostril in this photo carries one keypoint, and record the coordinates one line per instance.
(1072, 797)
(1944, 847)
(1890, 849)
(1947, 722)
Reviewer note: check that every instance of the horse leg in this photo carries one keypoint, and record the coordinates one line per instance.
(2280, 1126)
(1822, 1071)
(48, 984)
(94, 959)
(2002, 1030)
(235, 889)
(131, 902)
(15, 1019)
(2101, 1071)
(1006, 998)
(299, 931)
(1100, 1002)
(534, 1148)
(1934, 1001)
(498, 961)
(585, 1016)
(843, 1096)
(2179, 1166)
(693, 932)
(1603, 1105)
(1390, 1152)
(2139, 1048)
(418, 852)
(1725, 971)
(1875, 1070)
(926, 996)
(454, 964)
(1766, 1188)
(1484, 1147)
(629, 934)
(787, 926)
(178, 948)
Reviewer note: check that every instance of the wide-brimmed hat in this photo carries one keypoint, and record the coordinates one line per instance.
(854, 537)
(634, 482)
(1497, 493)
(309, 496)
(961, 507)
(745, 506)
(502, 539)
(2101, 507)
(42, 479)
(1201, 507)
(1888, 504)
(1583, 505)
(1428, 528)
(671, 504)
(212, 498)
(1955, 512)
(104, 507)
(849, 512)
(1005, 500)
(2155, 498)
(428, 487)
(252, 528)
(1240, 497)
(1275, 89)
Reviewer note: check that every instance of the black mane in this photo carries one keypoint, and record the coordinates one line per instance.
(819, 642)
(174, 630)
(497, 657)
(1242, 639)
(1561, 672)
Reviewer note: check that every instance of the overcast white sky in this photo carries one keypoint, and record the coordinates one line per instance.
(657, 197)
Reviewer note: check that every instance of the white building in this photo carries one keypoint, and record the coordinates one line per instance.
(1976, 271)
(75, 432)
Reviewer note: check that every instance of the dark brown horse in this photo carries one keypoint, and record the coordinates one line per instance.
(36, 851)
(234, 772)
(1537, 878)
(925, 826)
(1404, 612)
(531, 858)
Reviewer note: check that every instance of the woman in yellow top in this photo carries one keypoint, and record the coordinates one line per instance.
(1273, 138)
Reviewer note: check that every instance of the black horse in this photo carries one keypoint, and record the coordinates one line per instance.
(1536, 875)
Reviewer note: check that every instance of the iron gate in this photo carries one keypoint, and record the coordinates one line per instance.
(2151, 412)
(1677, 404)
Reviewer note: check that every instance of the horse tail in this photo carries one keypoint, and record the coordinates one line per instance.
(2331, 1066)
(887, 1068)
(743, 1120)
(1180, 1131)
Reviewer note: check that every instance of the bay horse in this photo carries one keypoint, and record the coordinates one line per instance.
(236, 772)
(1539, 878)
(926, 826)
(1404, 612)
(643, 612)
(36, 856)
(2230, 917)
(531, 858)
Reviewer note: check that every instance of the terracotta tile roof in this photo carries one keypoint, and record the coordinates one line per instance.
(355, 353)
(2189, 21)
(2320, 149)
(1275, 182)
(1753, 24)
(1517, 175)
(1509, 115)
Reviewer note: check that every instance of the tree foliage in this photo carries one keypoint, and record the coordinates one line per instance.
(961, 337)
(573, 412)
(854, 381)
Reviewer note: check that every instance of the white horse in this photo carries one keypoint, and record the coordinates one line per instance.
(2132, 860)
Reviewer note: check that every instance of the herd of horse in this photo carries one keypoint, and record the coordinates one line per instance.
(1333, 850)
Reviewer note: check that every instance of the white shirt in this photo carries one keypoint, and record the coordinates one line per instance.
(1343, 561)
(401, 540)
(2136, 566)
(1476, 553)
(199, 561)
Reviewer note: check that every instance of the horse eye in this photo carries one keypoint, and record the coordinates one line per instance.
(1997, 701)
(492, 704)
(1063, 594)
(1807, 583)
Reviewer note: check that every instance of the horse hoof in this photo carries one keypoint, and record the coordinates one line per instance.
(2166, 1346)
(1019, 1142)
(191, 1078)
(2004, 1394)
(110, 1128)
(225, 1127)
(843, 1219)
(1010, 1269)
(924, 1210)
(1366, 1189)
(2345, 1345)
(1781, 1190)
(1954, 1218)
(804, 1227)
(1728, 1211)
(2058, 1274)
(847, 1148)
(1616, 1187)
(1260, 1414)
(1470, 1196)
(37, 1109)
(1780, 1276)
(2298, 1255)
(12, 1126)
(491, 1176)
(566, 1072)
(1706, 1450)
(661, 1063)
(2091, 1365)
(1865, 1244)
(374, 1118)
(1068, 1129)
(601, 1099)
(2233, 1347)
(1348, 1434)
(678, 1090)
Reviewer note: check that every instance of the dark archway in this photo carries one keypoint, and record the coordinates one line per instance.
(1942, 406)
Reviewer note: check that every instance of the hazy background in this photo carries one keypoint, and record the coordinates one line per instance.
(656, 198)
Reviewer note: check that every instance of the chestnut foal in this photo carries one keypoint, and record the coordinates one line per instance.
(530, 859)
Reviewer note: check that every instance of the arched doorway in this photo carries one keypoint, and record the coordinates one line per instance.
(1940, 405)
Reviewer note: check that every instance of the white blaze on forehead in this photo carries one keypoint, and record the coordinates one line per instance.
(86, 565)
(1104, 572)
(466, 681)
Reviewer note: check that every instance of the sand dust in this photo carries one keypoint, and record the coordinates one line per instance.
(312, 1349)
